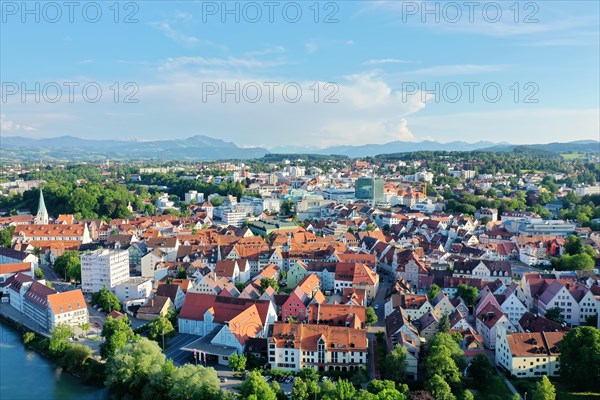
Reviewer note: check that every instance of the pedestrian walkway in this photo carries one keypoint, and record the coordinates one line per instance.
(15, 315)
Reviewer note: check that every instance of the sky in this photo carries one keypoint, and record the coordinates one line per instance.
(304, 73)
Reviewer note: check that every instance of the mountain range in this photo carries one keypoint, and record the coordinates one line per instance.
(201, 147)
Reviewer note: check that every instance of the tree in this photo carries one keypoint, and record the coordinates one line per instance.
(371, 316)
(240, 286)
(420, 395)
(446, 340)
(308, 374)
(117, 333)
(237, 362)
(58, 340)
(74, 356)
(28, 337)
(130, 368)
(266, 282)
(376, 386)
(299, 390)
(573, 245)
(160, 328)
(444, 324)
(181, 273)
(480, 370)
(467, 395)
(194, 382)
(580, 349)
(6, 236)
(433, 291)
(544, 390)
(39, 274)
(106, 300)
(439, 362)
(68, 265)
(555, 314)
(467, 293)
(395, 364)
(439, 388)
(255, 385)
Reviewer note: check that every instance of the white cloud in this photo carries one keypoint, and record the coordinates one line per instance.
(379, 61)
(233, 62)
(7, 125)
(311, 47)
(179, 37)
(459, 69)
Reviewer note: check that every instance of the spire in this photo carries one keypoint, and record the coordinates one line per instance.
(42, 214)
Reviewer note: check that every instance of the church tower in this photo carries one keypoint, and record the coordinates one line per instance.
(42, 214)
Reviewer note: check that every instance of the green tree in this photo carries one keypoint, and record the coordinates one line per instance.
(237, 362)
(299, 390)
(544, 390)
(371, 316)
(375, 386)
(181, 273)
(28, 337)
(480, 370)
(439, 388)
(439, 362)
(446, 340)
(395, 364)
(39, 274)
(160, 328)
(75, 356)
(6, 235)
(555, 314)
(468, 395)
(444, 324)
(194, 382)
(117, 333)
(433, 291)
(266, 282)
(106, 300)
(68, 265)
(130, 368)
(255, 385)
(308, 374)
(579, 350)
(573, 245)
(58, 339)
(467, 293)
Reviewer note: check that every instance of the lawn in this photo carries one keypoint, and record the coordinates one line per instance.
(562, 391)
(573, 156)
(495, 389)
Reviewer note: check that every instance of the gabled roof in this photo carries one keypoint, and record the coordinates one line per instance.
(226, 308)
(67, 301)
(15, 268)
(38, 294)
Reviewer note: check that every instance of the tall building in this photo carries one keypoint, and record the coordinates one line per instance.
(369, 189)
(103, 267)
(41, 217)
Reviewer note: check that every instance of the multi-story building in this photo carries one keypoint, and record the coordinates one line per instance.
(134, 288)
(529, 355)
(294, 346)
(369, 189)
(104, 267)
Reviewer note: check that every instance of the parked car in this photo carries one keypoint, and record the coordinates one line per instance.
(223, 379)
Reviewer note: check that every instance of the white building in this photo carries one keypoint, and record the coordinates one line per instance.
(103, 267)
(194, 195)
(134, 288)
(529, 355)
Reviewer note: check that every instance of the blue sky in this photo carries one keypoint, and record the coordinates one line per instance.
(350, 72)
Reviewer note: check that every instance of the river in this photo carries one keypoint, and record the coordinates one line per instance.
(24, 374)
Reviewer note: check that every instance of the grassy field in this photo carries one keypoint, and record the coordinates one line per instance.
(562, 391)
(573, 156)
(495, 389)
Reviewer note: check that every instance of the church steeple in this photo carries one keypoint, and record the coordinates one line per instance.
(42, 214)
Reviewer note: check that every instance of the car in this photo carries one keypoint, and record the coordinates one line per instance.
(97, 325)
(376, 306)
(289, 379)
(100, 309)
(223, 379)
(267, 378)
(281, 379)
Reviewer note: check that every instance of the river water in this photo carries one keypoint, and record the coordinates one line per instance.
(24, 374)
